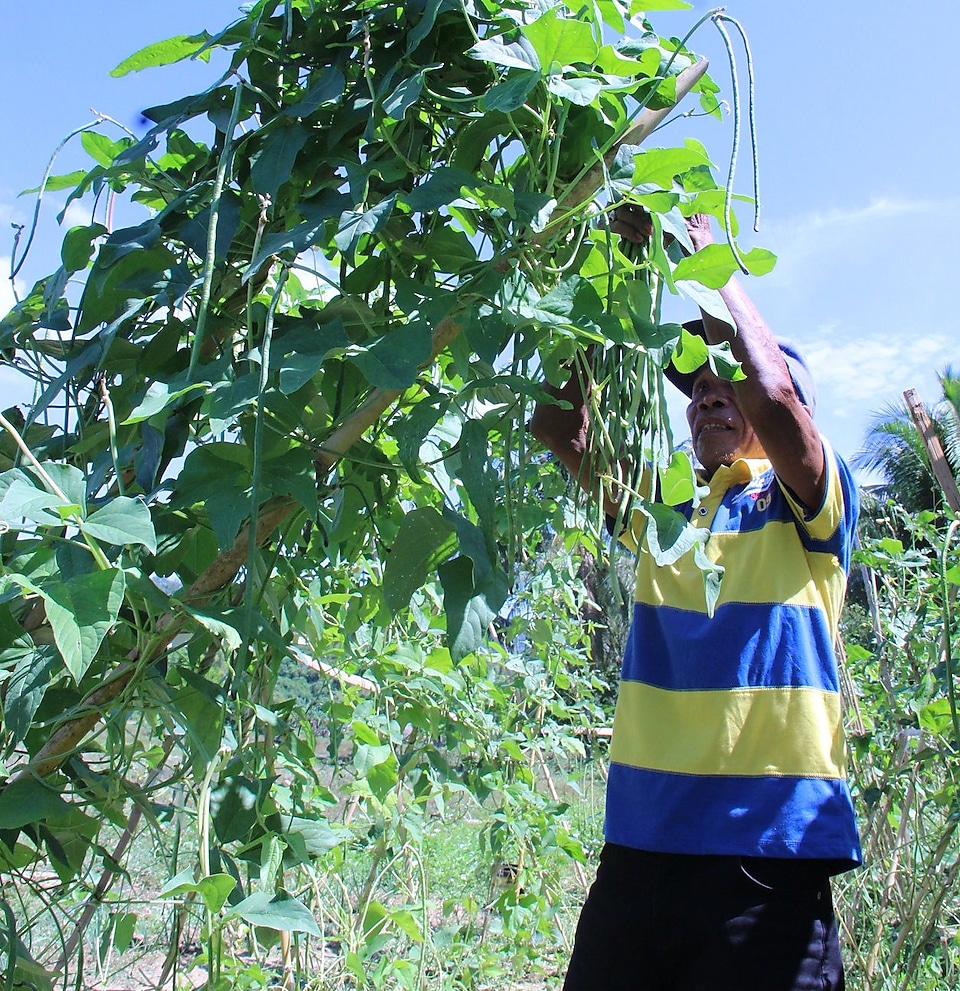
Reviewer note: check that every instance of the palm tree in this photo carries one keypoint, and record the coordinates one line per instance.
(894, 448)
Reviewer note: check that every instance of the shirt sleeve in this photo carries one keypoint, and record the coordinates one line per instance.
(835, 519)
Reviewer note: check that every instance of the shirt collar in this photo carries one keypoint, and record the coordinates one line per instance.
(742, 470)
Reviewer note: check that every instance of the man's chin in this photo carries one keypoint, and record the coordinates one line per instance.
(712, 456)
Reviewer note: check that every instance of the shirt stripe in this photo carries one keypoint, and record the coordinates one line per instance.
(765, 646)
(738, 732)
(772, 817)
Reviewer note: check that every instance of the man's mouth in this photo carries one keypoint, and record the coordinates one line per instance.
(713, 426)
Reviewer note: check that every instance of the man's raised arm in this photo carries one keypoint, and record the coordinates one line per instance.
(564, 432)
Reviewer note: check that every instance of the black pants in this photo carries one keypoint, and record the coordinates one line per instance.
(669, 922)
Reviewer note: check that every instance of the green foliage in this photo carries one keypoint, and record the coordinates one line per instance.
(900, 911)
(279, 412)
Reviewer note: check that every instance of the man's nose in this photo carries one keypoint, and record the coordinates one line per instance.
(713, 396)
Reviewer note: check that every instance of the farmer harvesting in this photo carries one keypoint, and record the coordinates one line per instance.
(727, 807)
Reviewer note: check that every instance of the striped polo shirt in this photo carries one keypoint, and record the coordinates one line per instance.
(727, 737)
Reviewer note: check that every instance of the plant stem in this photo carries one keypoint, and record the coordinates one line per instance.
(226, 157)
(947, 632)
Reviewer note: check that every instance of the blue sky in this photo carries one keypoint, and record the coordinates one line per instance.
(858, 142)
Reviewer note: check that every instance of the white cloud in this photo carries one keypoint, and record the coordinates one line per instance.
(836, 240)
(860, 371)
(77, 214)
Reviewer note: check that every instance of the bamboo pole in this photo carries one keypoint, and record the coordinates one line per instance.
(938, 461)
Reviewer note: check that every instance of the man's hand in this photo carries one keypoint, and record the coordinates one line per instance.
(698, 227)
(632, 223)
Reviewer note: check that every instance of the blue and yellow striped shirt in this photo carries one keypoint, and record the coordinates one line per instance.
(728, 736)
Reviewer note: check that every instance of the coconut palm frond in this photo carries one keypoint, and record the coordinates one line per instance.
(894, 448)
(950, 384)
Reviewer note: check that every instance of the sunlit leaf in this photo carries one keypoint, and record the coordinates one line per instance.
(166, 52)
(21, 499)
(561, 39)
(660, 165)
(519, 54)
(581, 91)
(214, 889)
(714, 264)
(678, 483)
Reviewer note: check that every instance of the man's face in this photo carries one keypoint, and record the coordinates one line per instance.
(720, 432)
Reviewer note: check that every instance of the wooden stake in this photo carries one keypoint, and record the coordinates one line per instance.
(938, 461)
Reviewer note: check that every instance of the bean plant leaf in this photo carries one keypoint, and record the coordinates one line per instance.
(316, 212)
(354, 225)
(512, 93)
(648, 5)
(123, 521)
(580, 92)
(214, 889)
(175, 49)
(556, 38)
(469, 610)
(77, 248)
(102, 149)
(713, 265)
(281, 914)
(678, 482)
(28, 800)
(392, 361)
(669, 534)
(327, 89)
(272, 164)
(21, 499)
(424, 540)
(228, 635)
(68, 479)
(159, 396)
(25, 689)
(406, 94)
(443, 186)
(478, 476)
(55, 183)
(660, 166)
(712, 575)
(81, 612)
(518, 54)
(313, 837)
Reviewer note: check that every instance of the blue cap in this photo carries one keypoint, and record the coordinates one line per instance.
(796, 365)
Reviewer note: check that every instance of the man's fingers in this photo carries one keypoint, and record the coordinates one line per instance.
(632, 223)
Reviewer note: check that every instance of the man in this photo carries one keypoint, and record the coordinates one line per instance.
(727, 808)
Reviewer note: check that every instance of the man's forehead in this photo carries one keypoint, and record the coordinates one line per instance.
(706, 372)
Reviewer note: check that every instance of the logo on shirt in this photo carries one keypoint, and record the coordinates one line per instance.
(762, 498)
